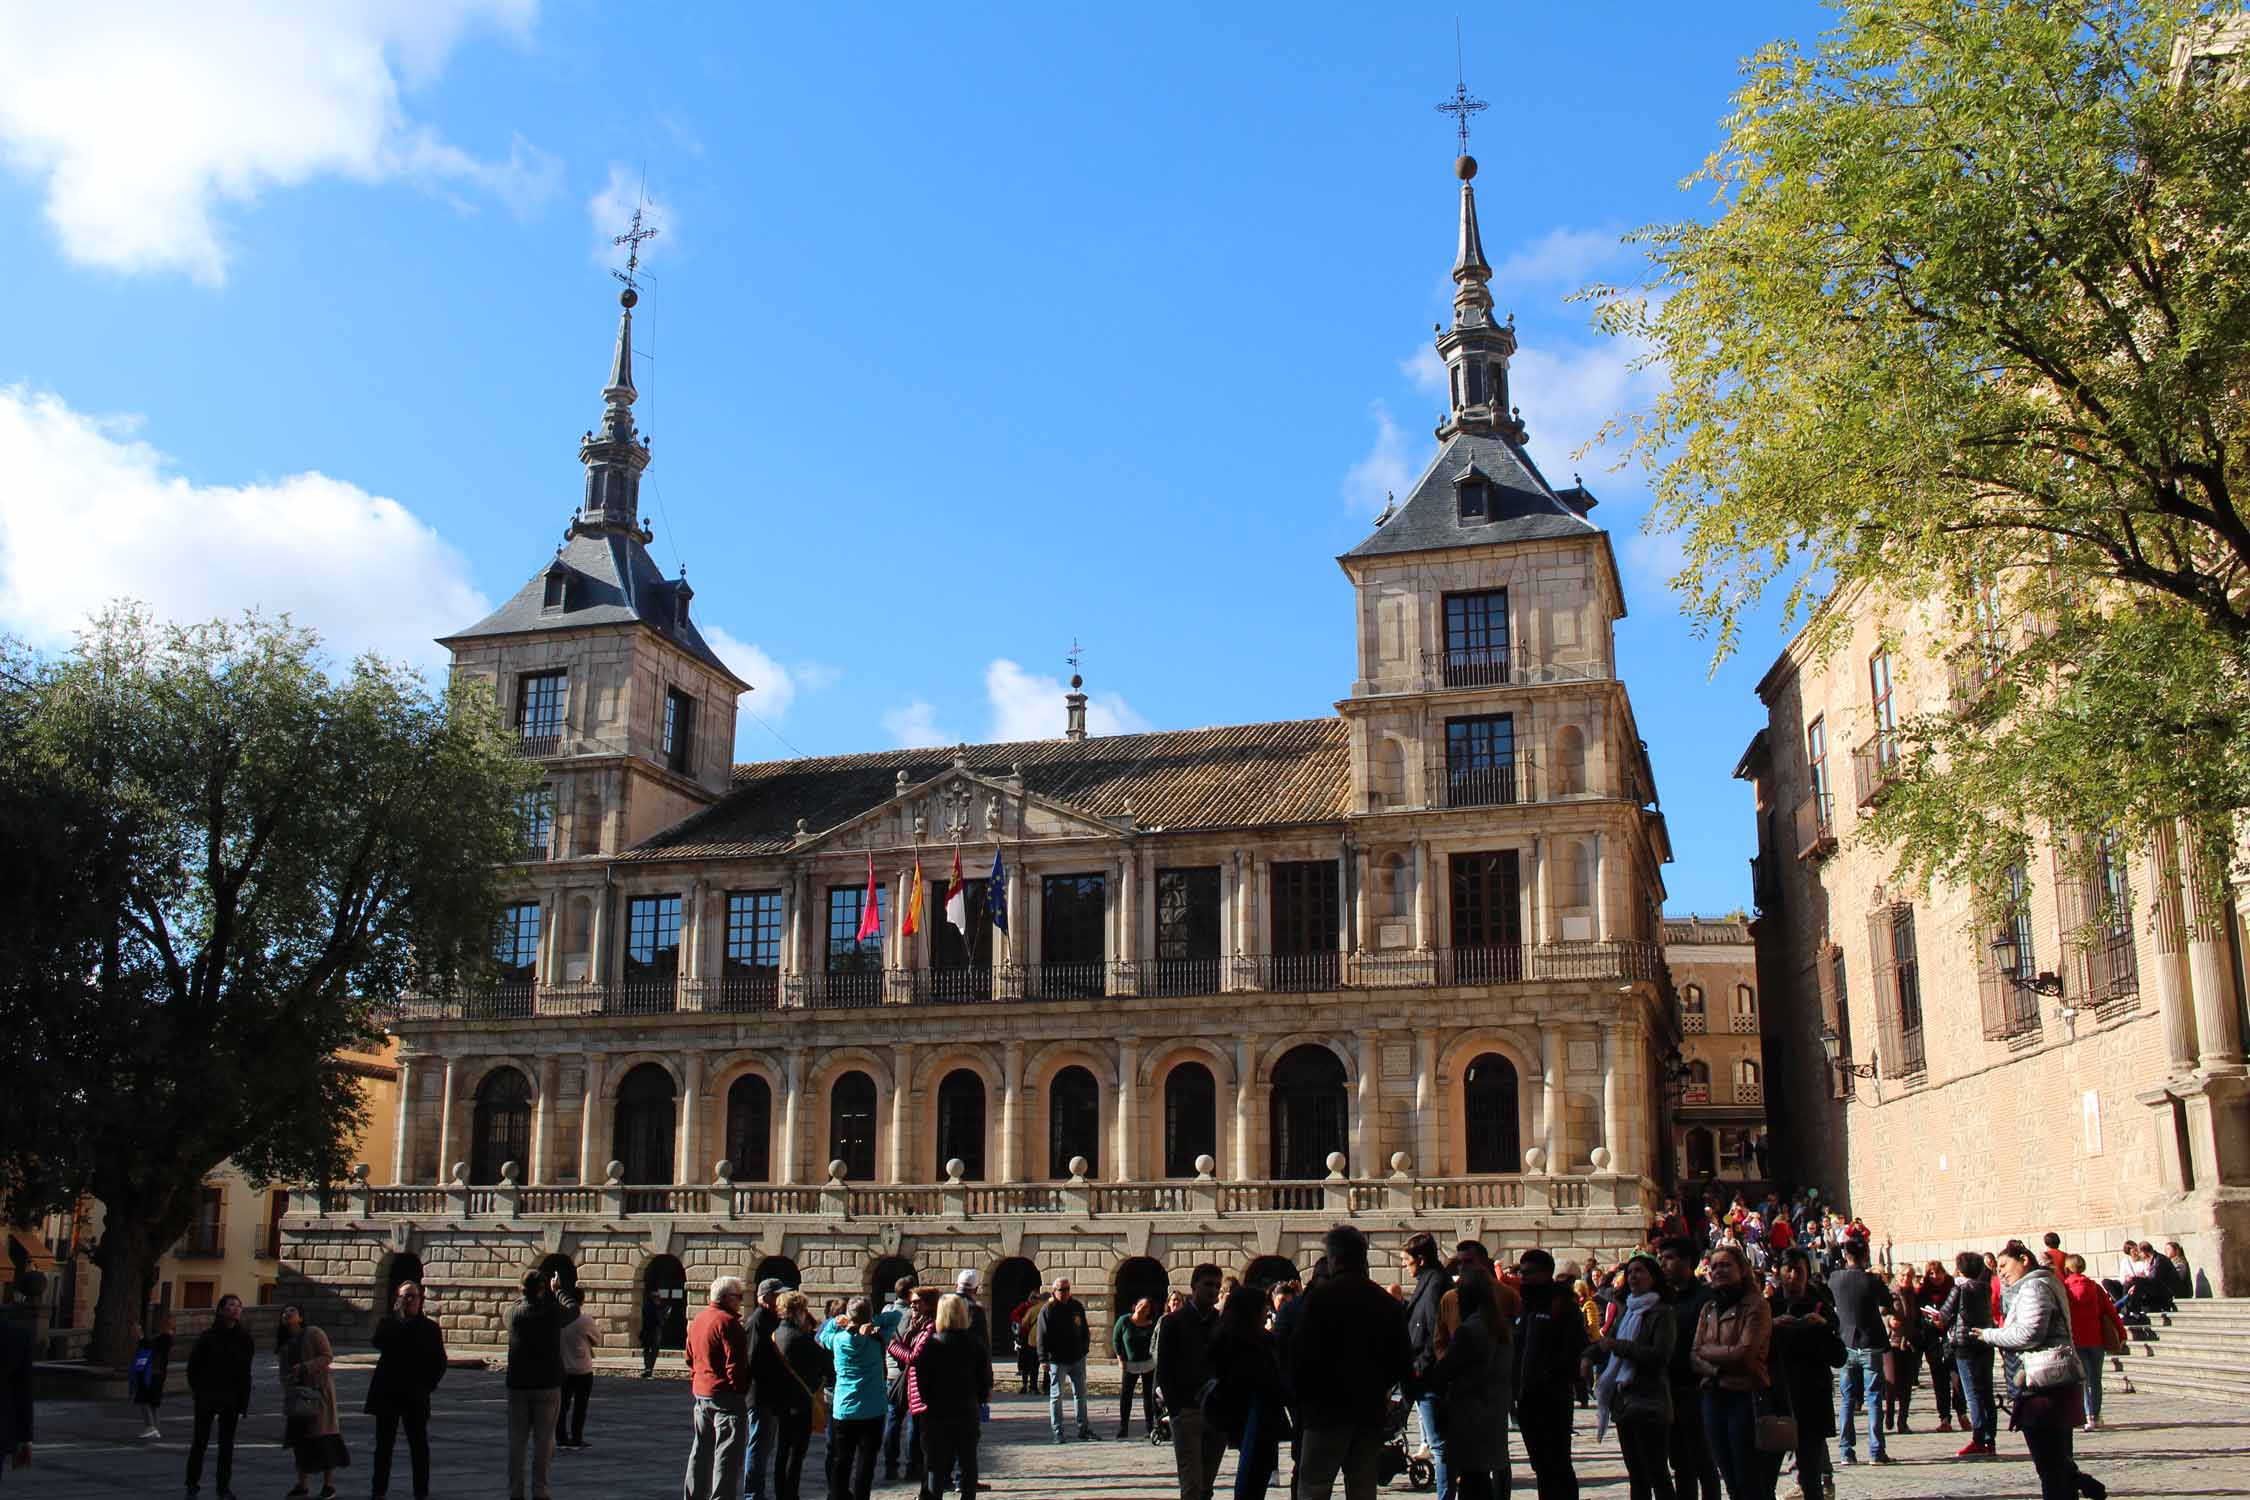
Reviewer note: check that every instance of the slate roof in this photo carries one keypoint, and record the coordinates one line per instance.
(1523, 506)
(615, 582)
(1298, 771)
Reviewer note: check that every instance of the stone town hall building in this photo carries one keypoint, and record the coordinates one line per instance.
(1399, 964)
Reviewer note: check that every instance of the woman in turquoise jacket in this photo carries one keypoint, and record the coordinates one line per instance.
(855, 1341)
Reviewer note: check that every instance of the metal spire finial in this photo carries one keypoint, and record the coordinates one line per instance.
(633, 239)
(1461, 105)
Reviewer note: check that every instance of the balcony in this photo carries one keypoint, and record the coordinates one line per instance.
(2112, 971)
(1501, 784)
(1972, 670)
(1095, 980)
(1502, 666)
(1875, 766)
(538, 741)
(1816, 826)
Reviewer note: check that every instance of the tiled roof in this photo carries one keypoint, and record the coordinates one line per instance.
(1689, 930)
(1238, 775)
(1523, 506)
(614, 581)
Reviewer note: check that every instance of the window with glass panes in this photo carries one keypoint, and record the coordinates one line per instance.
(846, 953)
(539, 703)
(1073, 926)
(1476, 636)
(515, 947)
(679, 729)
(753, 931)
(2018, 920)
(535, 814)
(1886, 717)
(1816, 759)
(652, 937)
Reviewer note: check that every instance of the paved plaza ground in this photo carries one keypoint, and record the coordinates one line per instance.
(2158, 1446)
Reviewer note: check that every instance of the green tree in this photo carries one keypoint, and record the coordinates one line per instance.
(1969, 327)
(232, 865)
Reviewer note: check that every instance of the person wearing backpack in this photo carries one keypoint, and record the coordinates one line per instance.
(218, 1376)
(144, 1381)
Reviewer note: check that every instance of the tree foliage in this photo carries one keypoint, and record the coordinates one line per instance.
(233, 864)
(1969, 327)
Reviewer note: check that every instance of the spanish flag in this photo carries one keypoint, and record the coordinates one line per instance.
(911, 922)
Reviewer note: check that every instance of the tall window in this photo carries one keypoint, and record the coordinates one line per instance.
(1476, 638)
(1495, 1130)
(1816, 760)
(855, 968)
(1191, 1118)
(2017, 921)
(1898, 989)
(679, 730)
(752, 964)
(535, 816)
(652, 948)
(1073, 937)
(501, 1128)
(1909, 964)
(2112, 971)
(539, 707)
(1886, 717)
(1487, 893)
(1310, 1112)
(206, 1235)
(1691, 1005)
(851, 1125)
(1480, 760)
(1187, 931)
(960, 964)
(1307, 918)
(647, 1120)
(515, 947)
(750, 1128)
(1074, 1122)
(960, 1123)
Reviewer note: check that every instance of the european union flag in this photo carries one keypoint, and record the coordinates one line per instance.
(996, 894)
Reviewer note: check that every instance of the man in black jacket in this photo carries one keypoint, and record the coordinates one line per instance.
(1183, 1368)
(1063, 1341)
(218, 1377)
(535, 1378)
(771, 1389)
(1550, 1337)
(1695, 1476)
(1861, 1301)
(409, 1363)
(15, 1395)
(1348, 1352)
(1418, 1259)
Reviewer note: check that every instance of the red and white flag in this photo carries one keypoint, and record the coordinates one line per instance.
(957, 897)
(871, 910)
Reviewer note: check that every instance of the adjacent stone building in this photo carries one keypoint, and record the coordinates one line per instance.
(1203, 993)
(2077, 1067)
(1719, 1126)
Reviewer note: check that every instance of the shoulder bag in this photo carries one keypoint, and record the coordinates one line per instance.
(819, 1398)
(1776, 1432)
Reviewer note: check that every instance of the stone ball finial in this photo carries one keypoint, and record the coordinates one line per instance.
(511, 1172)
(1534, 1160)
(1078, 1165)
(461, 1174)
(1599, 1156)
(1464, 167)
(1401, 1162)
(954, 1168)
(1336, 1160)
(723, 1172)
(616, 1173)
(1076, 682)
(836, 1170)
(628, 298)
(361, 1172)
(1205, 1165)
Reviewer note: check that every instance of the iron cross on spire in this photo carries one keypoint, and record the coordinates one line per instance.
(1461, 105)
(634, 238)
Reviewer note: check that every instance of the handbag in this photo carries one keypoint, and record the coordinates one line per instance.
(819, 1398)
(2052, 1366)
(1775, 1432)
(302, 1407)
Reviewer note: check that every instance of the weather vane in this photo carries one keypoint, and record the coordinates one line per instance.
(1077, 654)
(1461, 105)
(635, 237)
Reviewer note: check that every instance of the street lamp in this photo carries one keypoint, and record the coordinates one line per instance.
(2007, 957)
(1676, 1073)
(1833, 1045)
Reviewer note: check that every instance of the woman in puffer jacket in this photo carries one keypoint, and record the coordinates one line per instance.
(2049, 1406)
(854, 1343)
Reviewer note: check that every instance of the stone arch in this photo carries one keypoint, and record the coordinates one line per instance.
(1453, 1061)
(1186, 1115)
(1213, 1055)
(937, 1061)
(664, 1277)
(883, 1273)
(1013, 1279)
(645, 1123)
(924, 1163)
(615, 1069)
(852, 1109)
(500, 1122)
(1275, 1051)
(1050, 1059)
(1153, 1072)
(746, 1138)
(1077, 1120)
(778, 1267)
(720, 1074)
(1135, 1277)
(1310, 1105)
(1268, 1270)
(814, 1113)
(960, 1125)
(1040, 1071)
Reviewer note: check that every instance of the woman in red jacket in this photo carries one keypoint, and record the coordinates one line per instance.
(2094, 1327)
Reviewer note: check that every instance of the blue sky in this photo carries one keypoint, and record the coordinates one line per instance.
(971, 331)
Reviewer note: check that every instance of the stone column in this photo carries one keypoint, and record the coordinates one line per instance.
(1368, 1155)
(1363, 908)
(1613, 1095)
(696, 920)
(597, 940)
(1425, 913)
(592, 1164)
(402, 1133)
(1552, 1052)
(1427, 1087)
(2218, 1027)
(1602, 904)
(902, 1113)
(1128, 935)
(1128, 1153)
(792, 1112)
(1011, 1111)
(1261, 898)
(1245, 1104)
(1347, 898)
(2166, 977)
(543, 1132)
(1542, 891)
(445, 1124)
(688, 1169)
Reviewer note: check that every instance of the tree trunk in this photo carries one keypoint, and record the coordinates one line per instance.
(127, 1260)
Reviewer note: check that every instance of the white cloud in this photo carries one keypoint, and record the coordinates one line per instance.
(1028, 706)
(1386, 470)
(1562, 254)
(915, 727)
(144, 117)
(91, 515)
(774, 686)
(1567, 391)
(610, 211)
(1427, 371)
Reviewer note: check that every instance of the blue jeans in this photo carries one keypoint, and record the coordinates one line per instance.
(2090, 1360)
(1730, 1423)
(1428, 1407)
(765, 1437)
(1073, 1371)
(1974, 1361)
(1861, 1380)
(1260, 1451)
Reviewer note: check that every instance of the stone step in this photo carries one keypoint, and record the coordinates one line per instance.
(2198, 1384)
(2174, 1341)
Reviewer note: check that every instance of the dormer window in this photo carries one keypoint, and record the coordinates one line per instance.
(1476, 500)
(681, 594)
(556, 595)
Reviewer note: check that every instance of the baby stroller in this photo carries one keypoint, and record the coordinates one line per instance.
(1160, 1434)
(1420, 1473)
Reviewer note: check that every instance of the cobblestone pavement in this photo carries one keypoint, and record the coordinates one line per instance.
(2159, 1446)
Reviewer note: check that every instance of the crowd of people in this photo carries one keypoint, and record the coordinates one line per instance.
(1735, 1345)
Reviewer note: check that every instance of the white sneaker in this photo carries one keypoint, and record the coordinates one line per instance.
(153, 1432)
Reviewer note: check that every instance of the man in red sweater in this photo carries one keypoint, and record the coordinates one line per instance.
(718, 1357)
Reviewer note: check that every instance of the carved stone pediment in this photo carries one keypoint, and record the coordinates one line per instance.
(959, 806)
